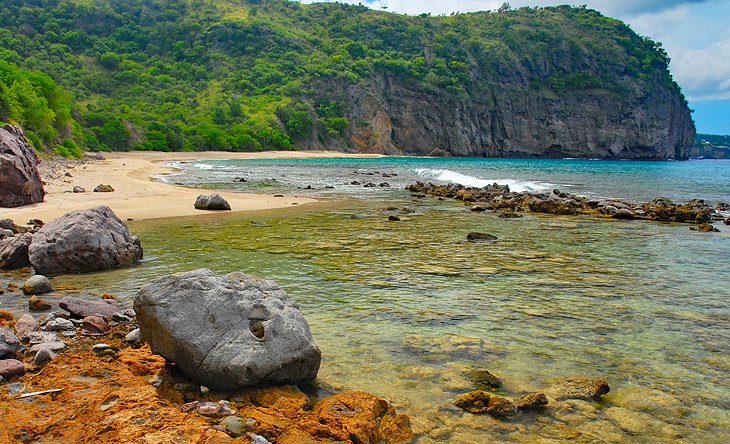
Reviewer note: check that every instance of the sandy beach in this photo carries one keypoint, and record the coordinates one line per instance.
(138, 195)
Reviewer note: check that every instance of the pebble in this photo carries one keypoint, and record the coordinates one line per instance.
(11, 367)
(134, 336)
(60, 324)
(103, 350)
(236, 426)
(52, 345)
(43, 357)
(37, 304)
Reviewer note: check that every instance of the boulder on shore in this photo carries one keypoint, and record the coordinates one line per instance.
(83, 241)
(20, 183)
(211, 202)
(227, 331)
(103, 188)
(14, 252)
(37, 284)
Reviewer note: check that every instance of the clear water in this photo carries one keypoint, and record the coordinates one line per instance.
(403, 309)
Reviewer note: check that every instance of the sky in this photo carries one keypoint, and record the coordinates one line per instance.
(695, 33)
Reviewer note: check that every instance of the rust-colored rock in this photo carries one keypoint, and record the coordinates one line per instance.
(20, 183)
(532, 401)
(479, 401)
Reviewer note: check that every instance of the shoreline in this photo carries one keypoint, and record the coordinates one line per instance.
(138, 195)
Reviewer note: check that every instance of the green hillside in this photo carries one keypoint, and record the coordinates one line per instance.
(249, 75)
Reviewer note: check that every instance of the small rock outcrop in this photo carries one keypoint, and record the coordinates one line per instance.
(480, 237)
(83, 241)
(479, 401)
(20, 183)
(227, 331)
(14, 252)
(211, 202)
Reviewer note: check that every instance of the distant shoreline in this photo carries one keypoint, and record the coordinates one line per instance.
(137, 195)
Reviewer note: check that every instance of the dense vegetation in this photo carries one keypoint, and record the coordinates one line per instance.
(33, 100)
(241, 75)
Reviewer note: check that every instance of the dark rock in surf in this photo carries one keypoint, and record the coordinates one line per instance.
(480, 237)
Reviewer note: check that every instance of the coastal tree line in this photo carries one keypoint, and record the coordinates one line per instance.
(239, 75)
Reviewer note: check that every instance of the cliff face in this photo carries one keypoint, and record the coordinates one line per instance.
(390, 116)
(20, 183)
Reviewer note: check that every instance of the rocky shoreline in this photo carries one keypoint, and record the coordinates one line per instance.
(509, 204)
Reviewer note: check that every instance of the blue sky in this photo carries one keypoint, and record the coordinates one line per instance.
(695, 33)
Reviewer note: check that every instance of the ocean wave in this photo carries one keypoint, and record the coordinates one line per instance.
(472, 181)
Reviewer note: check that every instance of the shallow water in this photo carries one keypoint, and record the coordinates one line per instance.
(403, 309)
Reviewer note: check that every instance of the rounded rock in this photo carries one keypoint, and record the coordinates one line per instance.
(37, 284)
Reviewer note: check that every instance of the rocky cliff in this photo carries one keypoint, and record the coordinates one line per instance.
(391, 116)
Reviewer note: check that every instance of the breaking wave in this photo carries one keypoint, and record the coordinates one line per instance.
(472, 181)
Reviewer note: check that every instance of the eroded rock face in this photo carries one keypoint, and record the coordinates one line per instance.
(227, 331)
(83, 241)
(20, 183)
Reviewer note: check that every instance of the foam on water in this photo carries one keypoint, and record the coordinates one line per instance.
(450, 176)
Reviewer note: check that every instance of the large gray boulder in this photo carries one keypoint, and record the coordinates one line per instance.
(20, 183)
(227, 331)
(82, 241)
(14, 252)
(211, 202)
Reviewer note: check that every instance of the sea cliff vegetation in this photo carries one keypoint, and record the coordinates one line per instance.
(241, 75)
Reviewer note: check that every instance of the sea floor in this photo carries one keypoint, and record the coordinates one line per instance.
(405, 309)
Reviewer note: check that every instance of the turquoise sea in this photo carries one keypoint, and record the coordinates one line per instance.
(405, 309)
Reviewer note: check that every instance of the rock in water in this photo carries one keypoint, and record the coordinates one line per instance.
(20, 183)
(211, 202)
(14, 252)
(480, 237)
(82, 241)
(227, 331)
(37, 284)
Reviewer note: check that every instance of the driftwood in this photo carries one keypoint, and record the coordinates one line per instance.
(42, 392)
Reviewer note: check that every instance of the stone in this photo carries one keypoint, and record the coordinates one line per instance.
(478, 208)
(705, 228)
(393, 218)
(43, 356)
(9, 343)
(532, 401)
(81, 308)
(20, 183)
(236, 426)
(37, 284)
(103, 350)
(480, 401)
(26, 324)
(14, 252)
(211, 202)
(102, 188)
(78, 189)
(95, 326)
(60, 324)
(39, 337)
(480, 237)
(483, 380)
(83, 241)
(579, 388)
(227, 331)
(11, 367)
(8, 224)
(133, 337)
(37, 304)
(52, 346)
(98, 156)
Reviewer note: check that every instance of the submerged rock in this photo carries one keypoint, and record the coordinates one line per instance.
(483, 380)
(83, 241)
(227, 331)
(211, 202)
(532, 401)
(705, 228)
(480, 237)
(579, 388)
(479, 401)
(20, 183)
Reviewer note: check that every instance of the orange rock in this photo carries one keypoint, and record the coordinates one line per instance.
(7, 319)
